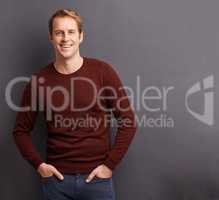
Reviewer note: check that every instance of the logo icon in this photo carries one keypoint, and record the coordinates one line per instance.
(208, 115)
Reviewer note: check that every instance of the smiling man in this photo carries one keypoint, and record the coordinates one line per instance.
(74, 88)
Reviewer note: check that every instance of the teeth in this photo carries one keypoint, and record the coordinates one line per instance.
(64, 46)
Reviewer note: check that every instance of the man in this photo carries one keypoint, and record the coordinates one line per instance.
(72, 92)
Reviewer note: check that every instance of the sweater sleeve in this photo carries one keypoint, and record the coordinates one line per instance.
(24, 124)
(118, 102)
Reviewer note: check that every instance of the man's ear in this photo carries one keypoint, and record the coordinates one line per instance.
(50, 37)
(81, 37)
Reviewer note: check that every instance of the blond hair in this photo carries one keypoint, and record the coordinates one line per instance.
(66, 13)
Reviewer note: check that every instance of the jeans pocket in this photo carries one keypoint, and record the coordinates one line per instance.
(99, 179)
(44, 178)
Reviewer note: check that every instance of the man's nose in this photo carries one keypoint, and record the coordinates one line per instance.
(65, 36)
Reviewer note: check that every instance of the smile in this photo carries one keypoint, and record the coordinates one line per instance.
(65, 46)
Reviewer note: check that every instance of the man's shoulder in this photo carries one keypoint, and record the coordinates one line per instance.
(107, 71)
(99, 64)
(43, 71)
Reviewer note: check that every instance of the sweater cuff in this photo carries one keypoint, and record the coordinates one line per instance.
(37, 163)
(109, 164)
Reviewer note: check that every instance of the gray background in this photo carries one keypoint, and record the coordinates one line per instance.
(165, 42)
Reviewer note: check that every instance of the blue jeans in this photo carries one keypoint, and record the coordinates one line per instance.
(74, 187)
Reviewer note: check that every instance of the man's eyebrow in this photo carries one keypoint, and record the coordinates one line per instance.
(57, 30)
(62, 30)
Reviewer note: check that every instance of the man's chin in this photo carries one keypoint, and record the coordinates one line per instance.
(66, 56)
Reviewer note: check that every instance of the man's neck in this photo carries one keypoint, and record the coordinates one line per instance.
(67, 66)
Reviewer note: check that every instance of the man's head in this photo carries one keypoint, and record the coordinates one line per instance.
(65, 32)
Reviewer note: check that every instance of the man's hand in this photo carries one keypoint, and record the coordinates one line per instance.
(101, 171)
(46, 170)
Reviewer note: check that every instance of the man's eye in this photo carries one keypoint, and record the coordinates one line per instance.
(71, 32)
(58, 33)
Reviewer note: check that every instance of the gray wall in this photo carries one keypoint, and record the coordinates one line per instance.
(164, 42)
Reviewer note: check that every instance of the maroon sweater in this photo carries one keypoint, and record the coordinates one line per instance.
(77, 110)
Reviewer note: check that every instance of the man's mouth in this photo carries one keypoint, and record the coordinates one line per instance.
(65, 46)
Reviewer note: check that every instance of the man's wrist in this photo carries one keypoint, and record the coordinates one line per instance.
(108, 165)
(40, 165)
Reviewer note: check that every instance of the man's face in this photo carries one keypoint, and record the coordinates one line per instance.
(66, 37)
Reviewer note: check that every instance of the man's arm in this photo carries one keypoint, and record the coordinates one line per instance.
(24, 124)
(124, 114)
